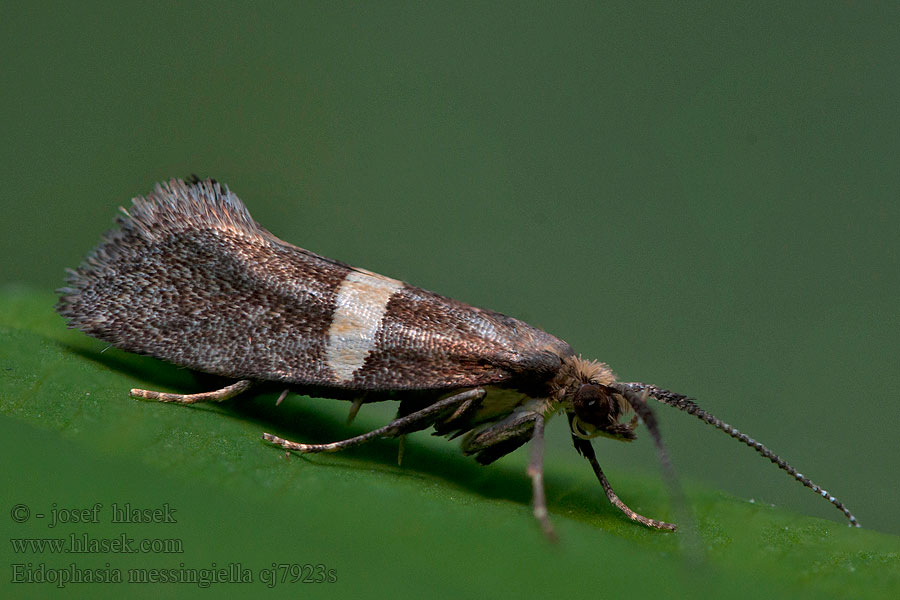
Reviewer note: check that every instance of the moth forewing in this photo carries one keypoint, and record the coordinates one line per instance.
(189, 277)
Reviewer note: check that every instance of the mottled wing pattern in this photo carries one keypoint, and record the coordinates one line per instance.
(425, 337)
(189, 277)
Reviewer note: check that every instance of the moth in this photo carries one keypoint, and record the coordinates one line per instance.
(189, 277)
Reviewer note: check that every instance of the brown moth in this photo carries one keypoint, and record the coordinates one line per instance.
(189, 277)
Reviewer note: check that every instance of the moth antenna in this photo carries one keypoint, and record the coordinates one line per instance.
(688, 405)
(637, 398)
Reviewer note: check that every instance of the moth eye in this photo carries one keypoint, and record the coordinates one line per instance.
(591, 405)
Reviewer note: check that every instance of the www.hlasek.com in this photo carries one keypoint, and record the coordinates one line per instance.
(83, 543)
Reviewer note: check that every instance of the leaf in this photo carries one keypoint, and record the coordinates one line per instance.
(439, 526)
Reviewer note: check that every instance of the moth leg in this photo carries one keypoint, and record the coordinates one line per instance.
(460, 419)
(401, 448)
(284, 394)
(354, 408)
(225, 393)
(585, 449)
(536, 472)
(412, 422)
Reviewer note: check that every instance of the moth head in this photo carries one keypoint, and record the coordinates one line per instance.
(596, 410)
(586, 389)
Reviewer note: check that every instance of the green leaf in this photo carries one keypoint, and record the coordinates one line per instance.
(439, 526)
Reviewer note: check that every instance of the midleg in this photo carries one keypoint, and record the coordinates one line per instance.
(536, 472)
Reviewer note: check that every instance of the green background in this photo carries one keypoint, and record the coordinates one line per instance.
(706, 197)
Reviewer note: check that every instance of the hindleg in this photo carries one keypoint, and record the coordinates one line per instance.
(415, 421)
(221, 395)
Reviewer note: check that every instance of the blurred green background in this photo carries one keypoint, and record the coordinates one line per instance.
(705, 196)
